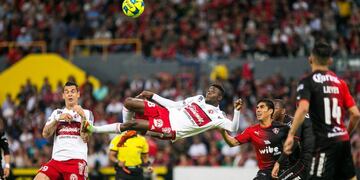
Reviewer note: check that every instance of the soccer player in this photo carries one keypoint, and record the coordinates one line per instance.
(300, 160)
(267, 137)
(69, 154)
(176, 120)
(326, 97)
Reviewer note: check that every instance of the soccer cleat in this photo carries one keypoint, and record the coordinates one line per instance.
(86, 127)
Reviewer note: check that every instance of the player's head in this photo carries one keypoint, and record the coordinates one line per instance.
(214, 94)
(264, 109)
(279, 107)
(321, 54)
(71, 93)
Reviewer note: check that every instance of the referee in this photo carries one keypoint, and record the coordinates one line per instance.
(129, 153)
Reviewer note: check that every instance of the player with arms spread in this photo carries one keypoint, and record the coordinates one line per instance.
(325, 97)
(175, 120)
(267, 138)
(70, 149)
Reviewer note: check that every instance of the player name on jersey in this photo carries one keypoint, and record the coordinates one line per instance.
(331, 90)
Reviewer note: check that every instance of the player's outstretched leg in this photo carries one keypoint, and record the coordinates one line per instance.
(109, 128)
(138, 125)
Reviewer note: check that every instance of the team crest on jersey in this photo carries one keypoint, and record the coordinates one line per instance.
(276, 130)
(300, 87)
(73, 177)
(58, 112)
(211, 111)
(158, 123)
(200, 98)
(44, 168)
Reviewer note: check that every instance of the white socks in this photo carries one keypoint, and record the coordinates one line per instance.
(109, 128)
(127, 115)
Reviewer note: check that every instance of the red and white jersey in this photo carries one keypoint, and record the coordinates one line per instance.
(193, 116)
(67, 141)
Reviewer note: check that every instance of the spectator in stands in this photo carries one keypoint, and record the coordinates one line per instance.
(260, 28)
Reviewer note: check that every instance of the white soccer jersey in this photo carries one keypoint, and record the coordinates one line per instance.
(67, 141)
(193, 116)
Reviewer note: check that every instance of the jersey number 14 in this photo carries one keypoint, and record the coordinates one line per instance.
(332, 112)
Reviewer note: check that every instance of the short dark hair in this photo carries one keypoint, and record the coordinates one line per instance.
(280, 102)
(322, 51)
(70, 83)
(220, 87)
(269, 103)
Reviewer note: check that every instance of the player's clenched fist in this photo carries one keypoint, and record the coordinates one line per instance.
(66, 116)
(78, 109)
(238, 104)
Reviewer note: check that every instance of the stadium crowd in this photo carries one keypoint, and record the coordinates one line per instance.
(25, 116)
(201, 29)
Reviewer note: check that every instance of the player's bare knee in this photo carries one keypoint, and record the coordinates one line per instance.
(129, 103)
(41, 176)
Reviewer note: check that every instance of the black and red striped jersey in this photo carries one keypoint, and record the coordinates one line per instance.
(329, 97)
(267, 142)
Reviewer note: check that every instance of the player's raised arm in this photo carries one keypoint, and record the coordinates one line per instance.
(53, 120)
(166, 102)
(233, 125)
(231, 141)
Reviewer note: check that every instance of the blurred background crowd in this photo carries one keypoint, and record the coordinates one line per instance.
(201, 29)
(24, 120)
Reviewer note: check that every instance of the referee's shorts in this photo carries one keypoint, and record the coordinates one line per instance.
(129, 173)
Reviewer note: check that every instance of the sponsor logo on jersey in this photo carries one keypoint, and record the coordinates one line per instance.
(270, 150)
(320, 78)
(158, 123)
(275, 130)
(336, 131)
(197, 114)
(65, 128)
